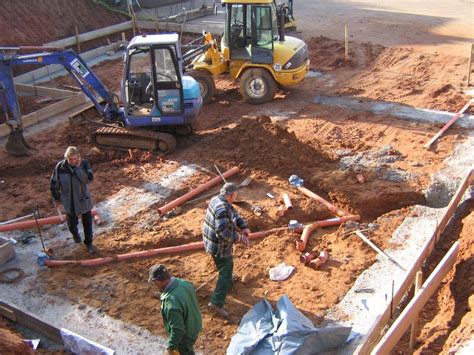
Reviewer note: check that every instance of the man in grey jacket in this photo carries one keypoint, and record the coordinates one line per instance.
(69, 186)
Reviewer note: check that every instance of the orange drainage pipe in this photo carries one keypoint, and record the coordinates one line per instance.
(321, 259)
(309, 229)
(318, 198)
(288, 206)
(41, 221)
(189, 195)
(148, 253)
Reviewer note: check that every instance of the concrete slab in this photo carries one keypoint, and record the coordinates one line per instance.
(394, 109)
(361, 310)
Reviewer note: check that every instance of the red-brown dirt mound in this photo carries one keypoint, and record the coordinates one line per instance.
(33, 23)
(11, 343)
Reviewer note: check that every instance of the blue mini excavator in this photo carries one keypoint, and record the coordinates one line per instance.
(157, 101)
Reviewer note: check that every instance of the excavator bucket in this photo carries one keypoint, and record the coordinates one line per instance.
(16, 144)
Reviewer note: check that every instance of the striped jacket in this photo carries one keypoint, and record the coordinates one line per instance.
(219, 230)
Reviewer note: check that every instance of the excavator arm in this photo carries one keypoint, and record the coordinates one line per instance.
(89, 83)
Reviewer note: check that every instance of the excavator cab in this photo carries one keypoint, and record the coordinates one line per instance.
(152, 83)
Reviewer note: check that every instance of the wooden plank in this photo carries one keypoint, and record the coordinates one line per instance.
(45, 113)
(376, 248)
(7, 313)
(379, 324)
(78, 42)
(32, 322)
(401, 324)
(215, 29)
(42, 90)
(50, 331)
(88, 36)
(467, 181)
(82, 109)
(48, 70)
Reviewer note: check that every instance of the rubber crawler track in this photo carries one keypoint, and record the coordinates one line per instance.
(123, 138)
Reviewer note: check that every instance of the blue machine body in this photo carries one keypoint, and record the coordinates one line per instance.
(154, 91)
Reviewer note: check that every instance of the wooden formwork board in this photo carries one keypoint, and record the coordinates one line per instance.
(48, 70)
(88, 36)
(31, 321)
(78, 344)
(409, 314)
(47, 112)
(42, 91)
(192, 14)
(372, 336)
(215, 29)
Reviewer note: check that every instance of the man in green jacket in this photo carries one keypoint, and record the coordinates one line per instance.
(179, 310)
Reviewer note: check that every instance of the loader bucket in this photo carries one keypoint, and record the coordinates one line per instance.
(16, 144)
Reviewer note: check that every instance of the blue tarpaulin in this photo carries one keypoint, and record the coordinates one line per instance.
(283, 331)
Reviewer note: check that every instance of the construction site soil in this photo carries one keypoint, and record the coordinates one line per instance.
(326, 146)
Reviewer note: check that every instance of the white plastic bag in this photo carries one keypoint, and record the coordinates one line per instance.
(280, 272)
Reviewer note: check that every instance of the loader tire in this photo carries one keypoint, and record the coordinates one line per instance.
(257, 86)
(206, 84)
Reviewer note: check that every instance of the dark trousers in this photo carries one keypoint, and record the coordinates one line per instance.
(86, 223)
(224, 282)
(186, 348)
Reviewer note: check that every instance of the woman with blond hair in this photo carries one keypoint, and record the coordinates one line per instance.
(69, 186)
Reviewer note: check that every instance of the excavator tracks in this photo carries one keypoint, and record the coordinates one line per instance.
(124, 138)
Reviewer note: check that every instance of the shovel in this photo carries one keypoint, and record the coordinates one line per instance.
(244, 183)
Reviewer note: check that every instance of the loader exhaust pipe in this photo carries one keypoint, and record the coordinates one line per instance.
(16, 144)
(281, 26)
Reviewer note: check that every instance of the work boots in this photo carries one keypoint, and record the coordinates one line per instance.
(219, 310)
(77, 238)
(91, 249)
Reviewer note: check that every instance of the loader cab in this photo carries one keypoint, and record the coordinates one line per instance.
(250, 30)
(152, 83)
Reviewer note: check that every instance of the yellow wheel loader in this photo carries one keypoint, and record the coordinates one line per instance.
(253, 49)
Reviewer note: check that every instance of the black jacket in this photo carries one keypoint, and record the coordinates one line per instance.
(69, 185)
